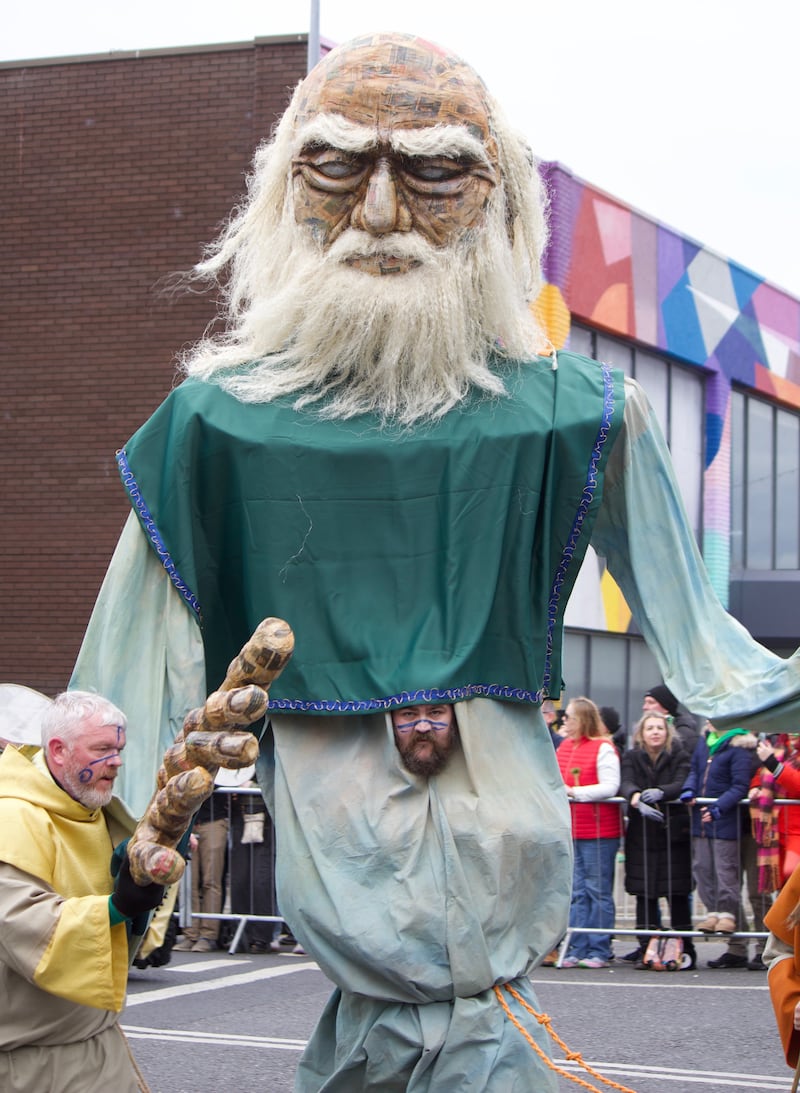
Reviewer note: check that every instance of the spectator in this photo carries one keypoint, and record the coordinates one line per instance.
(660, 699)
(59, 824)
(758, 866)
(720, 769)
(779, 776)
(771, 839)
(658, 857)
(208, 872)
(589, 765)
(251, 860)
(759, 881)
(550, 716)
(614, 728)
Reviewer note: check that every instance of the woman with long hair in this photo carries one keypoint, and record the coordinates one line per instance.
(658, 859)
(589, 765)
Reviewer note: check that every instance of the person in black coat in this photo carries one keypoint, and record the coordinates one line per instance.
(658, 858)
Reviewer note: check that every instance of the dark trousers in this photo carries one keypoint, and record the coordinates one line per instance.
(648, 916)
(253, 879)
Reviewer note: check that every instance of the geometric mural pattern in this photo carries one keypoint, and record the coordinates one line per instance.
(610, 266)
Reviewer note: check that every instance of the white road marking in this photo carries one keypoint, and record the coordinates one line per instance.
(164, 993)
(630, 1071)
(199, 966)
(671, 981)
(716, 1079)
(219, 1039)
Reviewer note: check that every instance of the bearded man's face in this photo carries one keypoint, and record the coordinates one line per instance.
(86, 762)
(425, 737)
(370, 161)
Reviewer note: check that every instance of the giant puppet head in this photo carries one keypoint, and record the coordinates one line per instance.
(389, 246)
(394, 151)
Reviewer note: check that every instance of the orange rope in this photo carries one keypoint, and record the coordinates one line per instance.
(571, 1056)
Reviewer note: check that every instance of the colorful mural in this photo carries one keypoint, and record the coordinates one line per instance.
(612, 267)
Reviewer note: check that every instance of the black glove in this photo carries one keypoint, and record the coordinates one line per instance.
(650, 813)
(132, 899)
(651, 796)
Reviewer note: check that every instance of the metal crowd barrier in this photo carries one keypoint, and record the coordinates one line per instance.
(240, 916)
(746, 899)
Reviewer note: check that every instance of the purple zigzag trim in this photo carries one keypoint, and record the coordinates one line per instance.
(589, 491)
(407, 698)
(153, 534)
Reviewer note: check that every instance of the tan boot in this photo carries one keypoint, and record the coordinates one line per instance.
(726, 924)
(709, 924)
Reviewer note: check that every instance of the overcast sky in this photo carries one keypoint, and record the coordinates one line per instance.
(687, 111)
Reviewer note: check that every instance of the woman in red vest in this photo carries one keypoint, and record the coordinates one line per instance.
(589, 765)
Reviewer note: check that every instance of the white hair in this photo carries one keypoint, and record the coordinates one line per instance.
(407, 347)
(65, 717)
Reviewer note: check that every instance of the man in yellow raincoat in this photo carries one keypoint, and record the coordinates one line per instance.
(68, 927)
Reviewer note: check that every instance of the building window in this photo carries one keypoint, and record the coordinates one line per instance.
(676, 393)
(765, 485)
(612, 669)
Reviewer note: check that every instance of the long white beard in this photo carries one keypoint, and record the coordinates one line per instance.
(406, 346)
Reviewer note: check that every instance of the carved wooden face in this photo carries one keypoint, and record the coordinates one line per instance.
(393, 135)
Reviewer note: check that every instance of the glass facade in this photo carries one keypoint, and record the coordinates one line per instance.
(677, 395)
(765, 485)
(615, 669)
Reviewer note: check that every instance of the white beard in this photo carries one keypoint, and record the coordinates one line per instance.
(89, 796)
(405, 346)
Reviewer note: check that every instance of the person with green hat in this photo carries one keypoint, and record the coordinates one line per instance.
(720, 776)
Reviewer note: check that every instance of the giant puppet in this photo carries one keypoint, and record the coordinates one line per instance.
(383, 450)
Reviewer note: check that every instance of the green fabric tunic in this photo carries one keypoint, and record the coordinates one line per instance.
(412, 565)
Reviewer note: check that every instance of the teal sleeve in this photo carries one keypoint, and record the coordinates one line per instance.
(707, 658)
(143, 650)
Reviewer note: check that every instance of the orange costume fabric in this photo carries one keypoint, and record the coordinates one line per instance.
(784, 975)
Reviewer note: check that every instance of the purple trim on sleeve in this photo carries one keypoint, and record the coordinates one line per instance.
(589, 492)
(408, 698)
(152, 532)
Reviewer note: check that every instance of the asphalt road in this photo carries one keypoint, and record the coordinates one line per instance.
(213, 1023)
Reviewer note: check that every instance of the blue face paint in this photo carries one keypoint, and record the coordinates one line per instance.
(87, 774)
(435, 726)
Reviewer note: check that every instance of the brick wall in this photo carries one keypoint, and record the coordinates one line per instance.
(113, 173)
